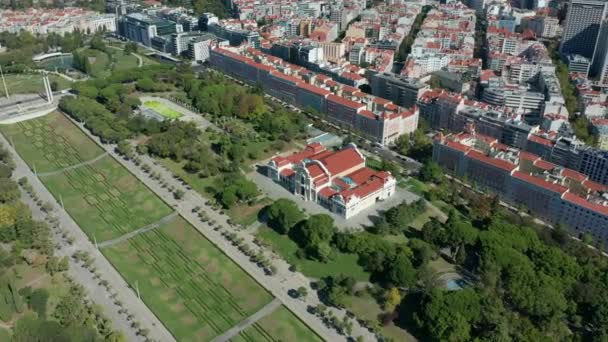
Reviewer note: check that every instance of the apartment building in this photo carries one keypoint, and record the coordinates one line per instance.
(375, 118)
(553, 193)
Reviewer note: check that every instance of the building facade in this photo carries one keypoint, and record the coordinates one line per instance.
(553, 193)
(582, 27)
(338, 181)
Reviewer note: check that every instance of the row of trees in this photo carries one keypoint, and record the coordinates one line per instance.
(406, 45)
(70, 316)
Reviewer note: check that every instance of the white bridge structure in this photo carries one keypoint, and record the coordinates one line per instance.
(20, 107)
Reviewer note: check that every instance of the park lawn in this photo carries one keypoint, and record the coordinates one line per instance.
(396, 238)
(31, 83)
(416, 186)
(422, 219)
(5, 335)
(345, 264)
(365, 307)
(105, 199)
(281, 325)
(247, 215)
(163, 109)
(195, 289)
(147, 60)
(443, 206)
(203, 186)
(440, 266)
(120, 61)
(51, 142)
(99, 60)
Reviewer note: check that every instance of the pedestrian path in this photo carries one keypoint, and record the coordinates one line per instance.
(249, 321)
(141, 230)
(56, 172)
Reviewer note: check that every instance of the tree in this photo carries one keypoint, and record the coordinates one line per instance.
(130, 47)
(316, 229)
(392, 298)
(38, 301)
(302, 292)
(179, 194)
(9, 191)
(401, 272)
(431, 172)
(403, 144)
(283, 215)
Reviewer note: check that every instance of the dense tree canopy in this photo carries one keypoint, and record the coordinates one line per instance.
(283, 215)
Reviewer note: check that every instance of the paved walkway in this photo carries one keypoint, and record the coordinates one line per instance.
(44, 174)
(278, 285)
(249, 321)
(147, 228)
(83, 276)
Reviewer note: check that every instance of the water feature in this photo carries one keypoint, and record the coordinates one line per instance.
(454, 284)
(62, 62)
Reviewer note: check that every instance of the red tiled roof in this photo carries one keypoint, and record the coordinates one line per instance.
(581, 202)
(362, 175)
(327, 192)
(294, 80)
(287, 172)
(545, 165)
(363, 190)
(499, 163)
(310, 151)
(540, 140)
(528, 156)
(381, 101)
(539, 182)
(593, 186)
(367, 113)
(341, 160)
(574, 175)
(314, 89)
(457, 146)
(344, 102)
(314, 170)
(338, 182)
(321, 180)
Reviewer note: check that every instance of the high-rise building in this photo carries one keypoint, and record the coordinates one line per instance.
(599, 67)
(582, 28)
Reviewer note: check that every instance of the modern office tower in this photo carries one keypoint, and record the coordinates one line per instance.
(582, 28)
(599, 66)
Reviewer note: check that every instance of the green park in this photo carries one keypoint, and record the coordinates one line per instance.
(190, 284)
(163, 109)
(281, 325)
(195, 289)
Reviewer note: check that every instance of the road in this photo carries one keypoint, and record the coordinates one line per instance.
(278, 285)
(83, 276)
